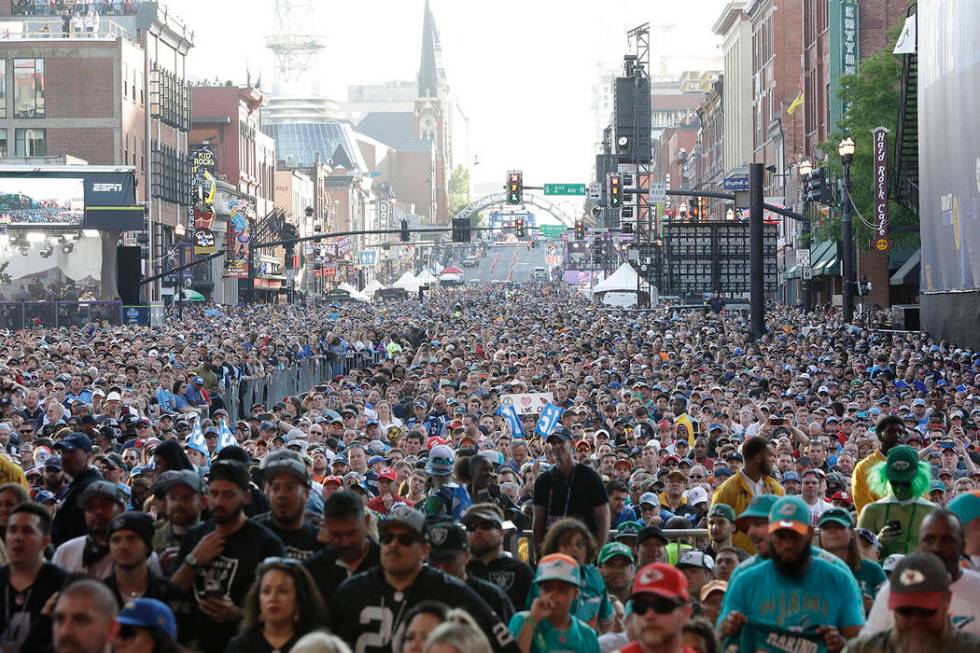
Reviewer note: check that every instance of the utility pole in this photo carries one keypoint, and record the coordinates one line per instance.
(806, 283)
(756, 268)
(846, 152)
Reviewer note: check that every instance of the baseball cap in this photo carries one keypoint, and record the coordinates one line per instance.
(869, 537)
(791, 476)
(446, 539)
(711, 587)
(697, 495)
(115, 396)
(650, 498)
(662, 580)
(558, 566)
(694, 558)
(388, 474)
(759, 507)
(561, 433)
(75, 441)
(174, 477)
(648, 532)
(54, 462)
(406, 516)
(790, 512)
(284, 462)
(482, 513)
(966, 506)
(721, 470)
(902, 463)
(614, 549)
(149, 613)
(722, 510)
(441, 461)
(373, 460)
(106, 489)
(628, 529)
(836, 516)
(891, 561)
(919, 580)
(336, 480)
(229, 470)
(138, 522)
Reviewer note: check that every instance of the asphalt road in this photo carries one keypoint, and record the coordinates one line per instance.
(507, 263)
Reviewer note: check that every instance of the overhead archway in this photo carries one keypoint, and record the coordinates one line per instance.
(494, 199)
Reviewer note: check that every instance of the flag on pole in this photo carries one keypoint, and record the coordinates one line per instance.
(196, 440)
(510, 414)
(548, 420)
(225, 437)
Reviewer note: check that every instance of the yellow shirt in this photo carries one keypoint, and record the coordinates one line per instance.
(736, 493)
(860, 492)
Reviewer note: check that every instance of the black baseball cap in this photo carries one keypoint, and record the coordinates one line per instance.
(230, 470)
(446, 539)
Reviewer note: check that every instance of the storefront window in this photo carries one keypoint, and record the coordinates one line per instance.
(3, 88)
(31, 142)
(29, 88)
(3, 143)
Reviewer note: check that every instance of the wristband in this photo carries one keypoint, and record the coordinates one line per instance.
(192, 561)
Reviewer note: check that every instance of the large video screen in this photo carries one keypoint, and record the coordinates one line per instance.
(42, 201)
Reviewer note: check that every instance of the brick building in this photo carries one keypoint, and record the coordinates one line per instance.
(711, 149)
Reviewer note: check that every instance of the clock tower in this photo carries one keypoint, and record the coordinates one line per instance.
(433, 117)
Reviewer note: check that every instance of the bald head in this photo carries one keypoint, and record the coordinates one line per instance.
(84, 618)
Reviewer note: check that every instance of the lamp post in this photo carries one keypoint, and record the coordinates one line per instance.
(805, 168)
(846, 152)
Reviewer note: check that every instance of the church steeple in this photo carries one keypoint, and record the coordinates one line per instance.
(431, 74)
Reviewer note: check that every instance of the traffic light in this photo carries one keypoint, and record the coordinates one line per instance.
(461, 230)
(519, 227)
(579, 230)
(615, 191)
(693, 210)
(817, 189)
(515, 187)
(405, 236)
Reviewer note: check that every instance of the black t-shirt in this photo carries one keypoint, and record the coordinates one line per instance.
(494, 596)
(512, 576)
(230, 574)
(253, 642)
(329, 572)
(20, 611)
(367, 613)
(300, 544)
(570, 496)
(69, 521)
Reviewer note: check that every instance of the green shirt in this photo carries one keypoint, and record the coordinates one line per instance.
(578, 638)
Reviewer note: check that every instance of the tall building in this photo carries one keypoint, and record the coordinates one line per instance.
(735, 30)
(433, 112)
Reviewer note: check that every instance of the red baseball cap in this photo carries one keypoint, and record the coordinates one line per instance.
(333, 479)
(437, 441)
(661, 579)
(388, 473)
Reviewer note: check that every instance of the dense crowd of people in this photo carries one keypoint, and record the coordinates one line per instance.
(517, 470)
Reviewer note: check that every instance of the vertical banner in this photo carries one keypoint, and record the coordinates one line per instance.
(238, 238)
(882, 244)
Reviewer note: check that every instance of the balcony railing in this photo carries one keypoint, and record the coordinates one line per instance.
(53, 29)
(58, 7)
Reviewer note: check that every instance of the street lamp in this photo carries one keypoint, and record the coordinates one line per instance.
(846, 152)
(805, 168)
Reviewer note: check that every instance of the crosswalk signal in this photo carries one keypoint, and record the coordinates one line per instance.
(461, 230)
(519, 227)
(579, 230)
(405, 236)
(515, 187)
(615, 191)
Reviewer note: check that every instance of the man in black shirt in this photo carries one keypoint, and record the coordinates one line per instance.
(368, 609)
(28, 580)
(349, 550)
(220, 556)
(130, 547)
(287, 484)
(69, 521)
(484, 526)
(449, 551)
(569, 489)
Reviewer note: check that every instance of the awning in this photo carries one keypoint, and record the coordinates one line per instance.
(793, 273)
(823, 256)
(909, 272)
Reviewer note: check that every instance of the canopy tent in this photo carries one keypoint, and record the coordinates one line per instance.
(354, 293)
(407, 282)
(426, 278)
(191, 295)
(373, 286)
(623, 278)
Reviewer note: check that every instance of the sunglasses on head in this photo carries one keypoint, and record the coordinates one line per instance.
(476, 525)
(279, 560)
(404, 539)
(659, 604)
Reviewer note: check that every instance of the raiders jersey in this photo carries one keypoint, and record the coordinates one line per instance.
(369, 614)
(509, 574)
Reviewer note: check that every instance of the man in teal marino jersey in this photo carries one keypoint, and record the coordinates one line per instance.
(793, 593)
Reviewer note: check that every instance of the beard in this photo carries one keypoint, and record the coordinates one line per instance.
(794, 568)
(226, 517)
(918, 641)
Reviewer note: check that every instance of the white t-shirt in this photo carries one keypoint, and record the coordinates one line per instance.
(964, 609)
(69, 557)
(818, 508)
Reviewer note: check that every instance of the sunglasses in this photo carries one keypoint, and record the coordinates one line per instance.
(279, 560)
(404, 539)
(26, 431)
(915, 612)
(660, 605)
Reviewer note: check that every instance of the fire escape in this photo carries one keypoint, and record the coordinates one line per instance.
(905, 183)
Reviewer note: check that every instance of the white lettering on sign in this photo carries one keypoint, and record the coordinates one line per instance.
(107, 188)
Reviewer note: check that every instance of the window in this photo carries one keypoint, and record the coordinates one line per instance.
(28, 88)
(31, 142)
(3, 88)
(3, 142)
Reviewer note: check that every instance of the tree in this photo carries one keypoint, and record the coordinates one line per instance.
(872, 97)
(459, 189)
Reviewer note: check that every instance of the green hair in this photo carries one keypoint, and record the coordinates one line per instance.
(879, 484)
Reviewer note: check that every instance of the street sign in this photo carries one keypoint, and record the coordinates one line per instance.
(736, 182)
(803, 257)
(564, 189)
(807, 273)
(552, 230)
(595, 191)
(658, 191)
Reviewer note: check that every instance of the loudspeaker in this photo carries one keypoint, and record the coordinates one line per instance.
(128, 274)
(632, 120)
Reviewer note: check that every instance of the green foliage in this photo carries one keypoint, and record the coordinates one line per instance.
(872, 96)
(459, 189)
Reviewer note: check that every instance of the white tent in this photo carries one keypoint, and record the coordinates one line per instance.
(426, 278)
(408, 282)
(354, 293)
(373, 286)
(622, 279)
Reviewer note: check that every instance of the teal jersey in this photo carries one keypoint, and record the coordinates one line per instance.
(592, 605)
(579, 638)
(760, 638)
(870, 577)
(822, 554)
(825, 596)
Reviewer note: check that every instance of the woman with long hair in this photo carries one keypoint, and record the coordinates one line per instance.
(838, 537)
(419, 622)
(282, 606)
(169, 456)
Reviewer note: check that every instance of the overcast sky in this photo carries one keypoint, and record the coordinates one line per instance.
(522, 70)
